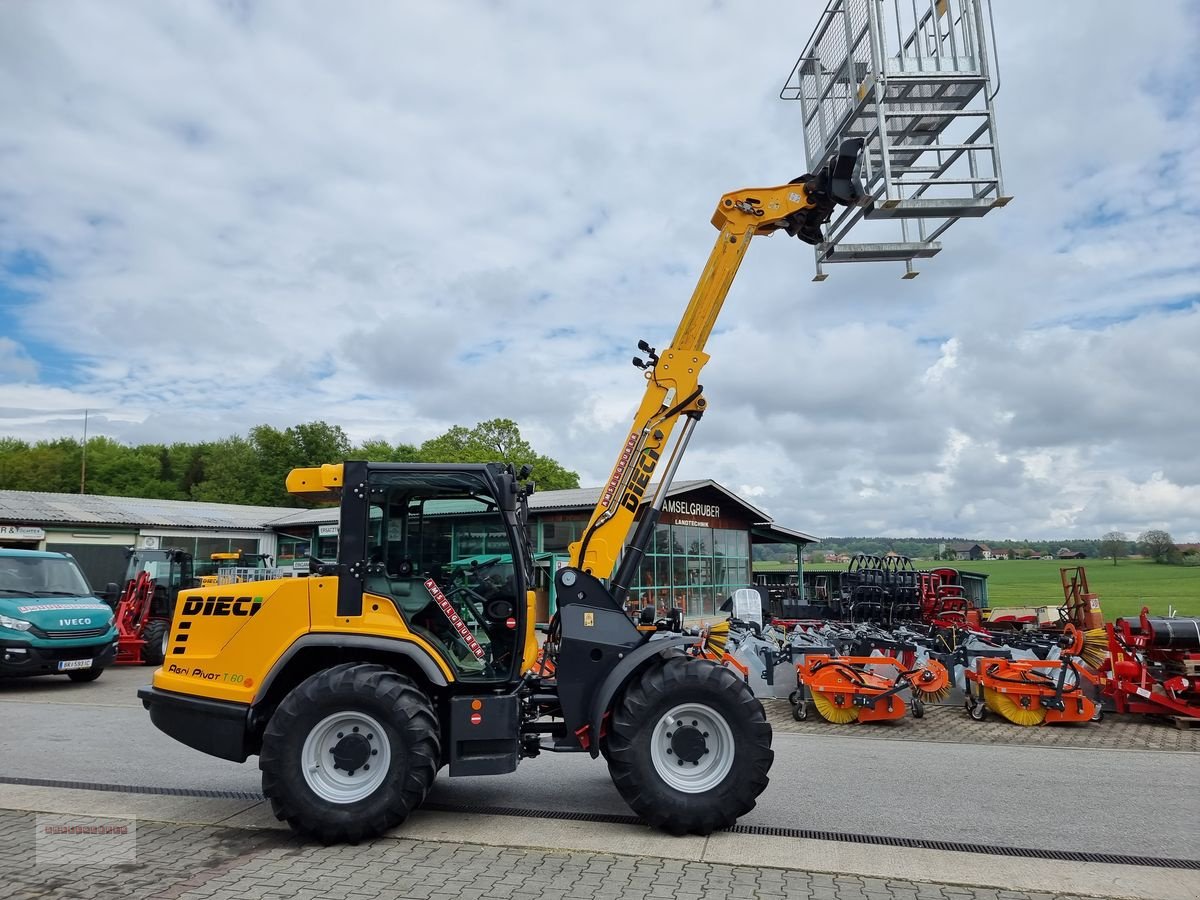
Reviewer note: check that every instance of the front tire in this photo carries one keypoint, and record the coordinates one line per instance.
(689, 746)
(350, 752)
(154, 651)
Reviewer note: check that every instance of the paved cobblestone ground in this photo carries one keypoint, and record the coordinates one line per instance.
(951, 723)
(182, 862)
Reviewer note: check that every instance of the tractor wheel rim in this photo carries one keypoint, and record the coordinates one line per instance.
(692, 748)
(346, 757)
(166, 638)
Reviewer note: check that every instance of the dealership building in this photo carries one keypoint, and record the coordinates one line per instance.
(701, 550)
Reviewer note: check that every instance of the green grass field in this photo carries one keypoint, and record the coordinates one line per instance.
(1124, 588)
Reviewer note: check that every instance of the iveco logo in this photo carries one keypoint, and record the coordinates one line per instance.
(65, 622)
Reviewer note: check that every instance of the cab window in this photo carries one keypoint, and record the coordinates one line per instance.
(439, 548)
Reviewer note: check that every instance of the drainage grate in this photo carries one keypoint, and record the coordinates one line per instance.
(602, 818)
(134, 789)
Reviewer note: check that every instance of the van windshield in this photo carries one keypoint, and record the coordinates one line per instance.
(42, 576)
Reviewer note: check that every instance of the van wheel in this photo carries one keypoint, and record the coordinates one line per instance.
(154, 651)
(350, 752)
(689, 746)
(80, 676)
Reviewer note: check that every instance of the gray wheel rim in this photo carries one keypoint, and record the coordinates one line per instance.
(166, 639)
(705, 773)
(317, 757)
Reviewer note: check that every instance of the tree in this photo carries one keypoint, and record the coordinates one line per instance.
(379, 450)
(1114, 545)
(1158, 545)
(497, 440)
(250, 470)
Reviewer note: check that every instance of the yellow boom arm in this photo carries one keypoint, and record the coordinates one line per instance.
(672, 378)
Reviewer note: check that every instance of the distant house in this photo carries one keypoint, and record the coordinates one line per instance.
(1000, 554)
(971, 551)
(1067, 553)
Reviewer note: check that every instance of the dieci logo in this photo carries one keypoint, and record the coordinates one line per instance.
(221, 606)
(640, 479)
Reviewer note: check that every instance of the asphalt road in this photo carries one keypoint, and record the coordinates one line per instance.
(1107, 801)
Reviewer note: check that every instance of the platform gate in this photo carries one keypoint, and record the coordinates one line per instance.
(915, 82)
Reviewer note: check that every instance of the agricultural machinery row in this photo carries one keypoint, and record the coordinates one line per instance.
(892, 639)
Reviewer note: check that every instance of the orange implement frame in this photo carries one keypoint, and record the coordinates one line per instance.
(1080, 606)
(1033, 691)
(850, 688)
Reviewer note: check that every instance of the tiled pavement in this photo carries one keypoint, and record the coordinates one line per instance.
(951, 723)
(187, 862)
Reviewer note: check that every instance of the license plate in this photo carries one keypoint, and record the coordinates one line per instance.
(66, 665)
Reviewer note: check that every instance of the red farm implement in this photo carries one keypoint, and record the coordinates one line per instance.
(1154, 665)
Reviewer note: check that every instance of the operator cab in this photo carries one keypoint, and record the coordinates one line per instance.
(441, 548)
(169, 569)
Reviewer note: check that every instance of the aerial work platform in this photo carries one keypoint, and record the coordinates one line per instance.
(914, 80)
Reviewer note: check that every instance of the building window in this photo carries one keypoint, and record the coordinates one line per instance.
(692, 568)
(557, 536)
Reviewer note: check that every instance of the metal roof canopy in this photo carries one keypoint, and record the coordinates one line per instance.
(94, 509)
(567, 500)
(770, 533)
(914, 80)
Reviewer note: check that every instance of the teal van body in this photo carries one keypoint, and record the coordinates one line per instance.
(50, 621)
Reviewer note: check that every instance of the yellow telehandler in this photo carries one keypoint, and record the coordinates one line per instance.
(354, 686)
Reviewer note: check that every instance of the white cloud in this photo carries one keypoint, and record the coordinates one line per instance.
(15, 364)
(401, 217)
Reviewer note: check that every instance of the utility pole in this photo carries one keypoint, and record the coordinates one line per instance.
(83, 462)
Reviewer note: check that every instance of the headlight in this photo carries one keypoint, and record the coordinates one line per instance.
(111, 619)
(15, 624)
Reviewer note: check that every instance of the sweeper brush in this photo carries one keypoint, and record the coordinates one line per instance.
(713, 640)
(847, 689)
(931, 683)
(1095, 648)
(1011, 709)
(1033, 691)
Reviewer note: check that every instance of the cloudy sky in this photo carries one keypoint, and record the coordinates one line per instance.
(402, 216)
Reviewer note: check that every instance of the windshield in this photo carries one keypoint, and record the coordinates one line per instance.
(42, 576)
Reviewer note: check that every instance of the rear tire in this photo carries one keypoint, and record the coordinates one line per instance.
(350, 716)
(154, 651)
(701, 713)
(80, 676)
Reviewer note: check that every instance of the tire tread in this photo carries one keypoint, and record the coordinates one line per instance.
(678, 679)
(411, 713)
